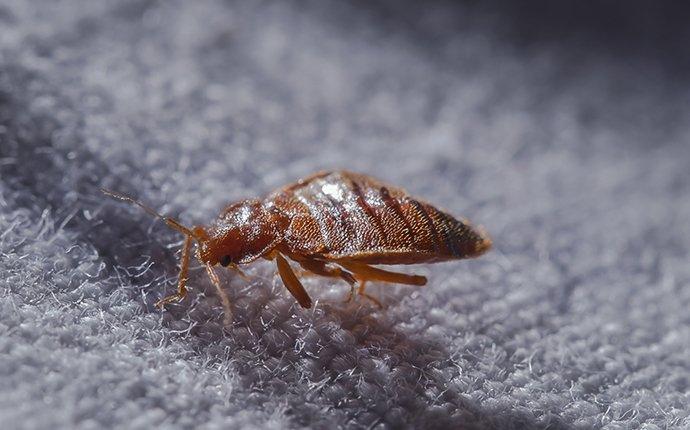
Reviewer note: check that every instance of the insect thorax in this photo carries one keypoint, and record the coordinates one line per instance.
(243, 232)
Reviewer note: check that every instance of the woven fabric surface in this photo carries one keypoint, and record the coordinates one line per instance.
(570, 145)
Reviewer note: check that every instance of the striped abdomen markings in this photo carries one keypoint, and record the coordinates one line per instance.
(461, 238)
(371, 216)
(350, 216)
(328, 214)
(420, 213)
(358, 214)
(373, 213)
(399, 232)
(334, 204)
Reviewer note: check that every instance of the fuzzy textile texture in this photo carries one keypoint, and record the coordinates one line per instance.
(566, 138)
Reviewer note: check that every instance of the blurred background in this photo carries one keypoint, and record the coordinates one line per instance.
(561, 127)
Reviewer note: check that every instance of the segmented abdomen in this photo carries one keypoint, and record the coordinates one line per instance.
(342, 215)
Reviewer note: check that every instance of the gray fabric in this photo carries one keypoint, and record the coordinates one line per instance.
(569, 144)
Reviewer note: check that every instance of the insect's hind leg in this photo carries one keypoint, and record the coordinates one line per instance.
(368, 273)
(364, 272)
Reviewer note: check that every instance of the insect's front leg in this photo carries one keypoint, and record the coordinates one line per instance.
(227, 320)
(182, 279)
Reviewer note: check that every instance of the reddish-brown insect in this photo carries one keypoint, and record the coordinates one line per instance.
(335, 224)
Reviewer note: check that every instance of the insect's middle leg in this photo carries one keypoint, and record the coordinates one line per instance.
(322, 268)
(291, 282)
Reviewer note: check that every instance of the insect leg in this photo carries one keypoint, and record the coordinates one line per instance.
(365, 273)
(321, 268)
(291, 282)
(239, 271)
(362, 293)
(182, 279)
(227, 320)
(369, 273)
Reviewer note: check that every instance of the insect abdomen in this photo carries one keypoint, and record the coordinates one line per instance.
(346, 216)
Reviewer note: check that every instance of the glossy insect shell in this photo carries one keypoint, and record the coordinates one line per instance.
(341, 216)
(243, 232)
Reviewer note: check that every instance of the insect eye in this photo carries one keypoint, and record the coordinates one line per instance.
(225, 260)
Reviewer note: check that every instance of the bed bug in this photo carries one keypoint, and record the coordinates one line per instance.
(336, 224)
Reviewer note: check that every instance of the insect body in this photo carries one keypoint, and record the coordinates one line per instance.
(334, 224)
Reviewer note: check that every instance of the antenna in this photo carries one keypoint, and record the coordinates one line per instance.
(171, 222)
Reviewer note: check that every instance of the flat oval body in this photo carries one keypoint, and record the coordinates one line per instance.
(345, 216)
